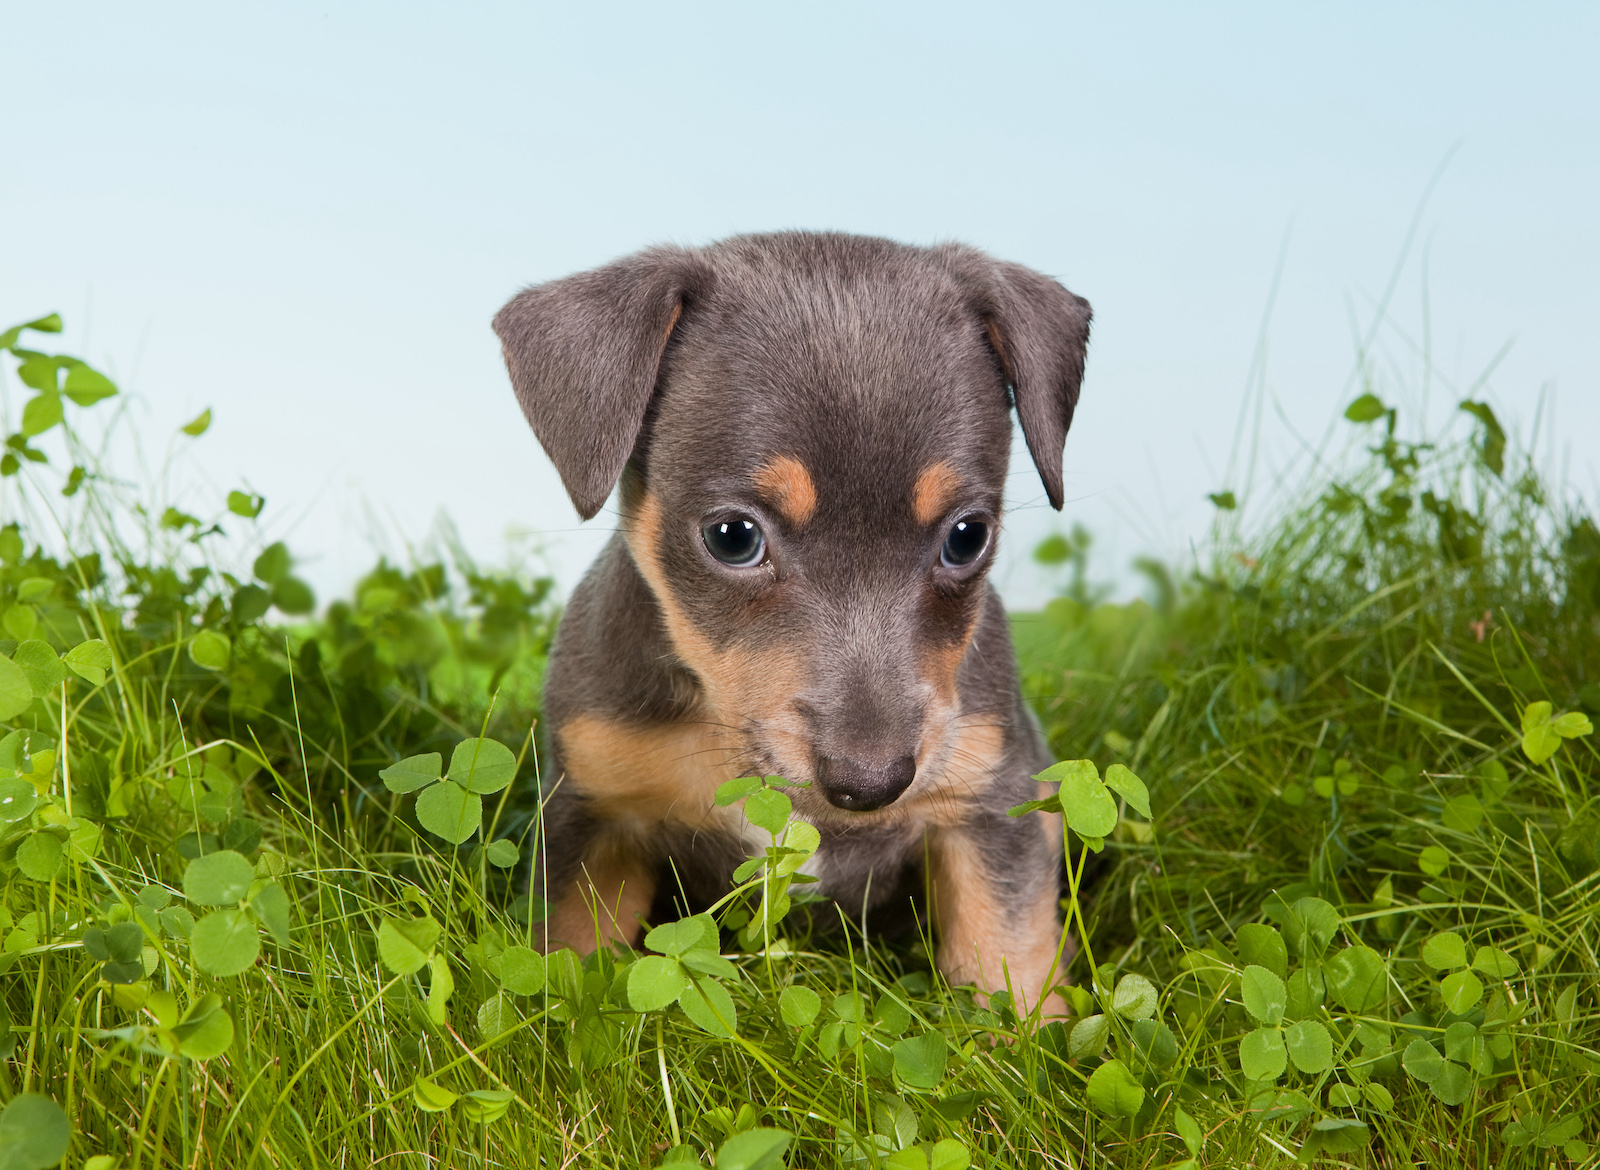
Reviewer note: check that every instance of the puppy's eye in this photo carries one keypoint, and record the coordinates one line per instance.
(965, 544)
(738, 542)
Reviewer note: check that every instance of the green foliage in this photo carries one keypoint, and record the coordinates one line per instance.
(224, 943)
(450, 810)
(217, 879)
(1367, 408)
(522, 971)
(406, 944)
(1331, 869)
(1543, 731)
(245, 504)
(1378, 718)
(1115, 1091)
(482, 765)
(799, 1006)
(919, 1061)
(210, 649)
(755, 1149)
(773, 871)
(34, 1132)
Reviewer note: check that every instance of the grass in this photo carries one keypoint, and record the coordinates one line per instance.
(1369, 881)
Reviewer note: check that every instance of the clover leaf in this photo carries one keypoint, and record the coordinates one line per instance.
(412, 773)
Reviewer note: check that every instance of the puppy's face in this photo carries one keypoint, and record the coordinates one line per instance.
(816, 502)
(812, 435)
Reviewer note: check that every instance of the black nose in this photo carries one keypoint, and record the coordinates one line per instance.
(859, 787)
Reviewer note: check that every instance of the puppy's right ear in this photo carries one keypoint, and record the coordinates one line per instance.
(583, 353)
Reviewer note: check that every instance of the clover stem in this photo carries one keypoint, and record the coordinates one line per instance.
(766, 914)
(666, 1083)
(66, 761)
(1074, 884)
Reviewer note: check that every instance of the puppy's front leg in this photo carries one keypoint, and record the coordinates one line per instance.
(597, 877)
(995, 889)
(605, 901)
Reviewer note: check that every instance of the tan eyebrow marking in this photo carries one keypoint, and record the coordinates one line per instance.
(785, 481)
(934, 491)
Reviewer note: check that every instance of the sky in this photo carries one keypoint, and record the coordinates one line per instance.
(303, 217)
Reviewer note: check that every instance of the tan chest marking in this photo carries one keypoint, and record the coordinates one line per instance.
(662, 772)
(634, 777)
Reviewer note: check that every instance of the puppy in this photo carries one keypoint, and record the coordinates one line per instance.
(811, 432)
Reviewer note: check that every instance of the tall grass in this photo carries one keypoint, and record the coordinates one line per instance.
(1329, 712)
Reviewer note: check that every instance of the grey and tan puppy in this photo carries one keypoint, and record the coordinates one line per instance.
(812, 433)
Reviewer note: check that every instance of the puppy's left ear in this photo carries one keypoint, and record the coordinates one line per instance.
(584, 353)
(1040, 332)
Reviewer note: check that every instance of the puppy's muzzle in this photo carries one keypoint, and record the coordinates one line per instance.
(860, 787)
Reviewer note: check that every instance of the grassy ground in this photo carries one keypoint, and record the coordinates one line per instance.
(1359, 924)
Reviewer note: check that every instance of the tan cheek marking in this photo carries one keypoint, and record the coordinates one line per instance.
(740, 686)
(969, 761)
(787, 484)
(759, 685)
(982, 942)
(663, 772)
(605, 903)
(941, 666)
(934, 491)
(643, 533)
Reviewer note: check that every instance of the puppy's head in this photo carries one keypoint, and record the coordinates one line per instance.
(812, 434)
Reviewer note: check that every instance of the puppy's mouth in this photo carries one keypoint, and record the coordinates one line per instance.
(846, 783)
(857, 776)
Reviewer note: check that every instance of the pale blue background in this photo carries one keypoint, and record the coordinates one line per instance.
(304, 217)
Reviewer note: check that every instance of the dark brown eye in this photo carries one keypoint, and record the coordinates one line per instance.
(965, 544)
(737, 542)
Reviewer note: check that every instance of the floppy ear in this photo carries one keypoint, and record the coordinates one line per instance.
(1040, 332)
(583, 353)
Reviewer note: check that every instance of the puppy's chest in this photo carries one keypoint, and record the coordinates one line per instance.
(658, 783)
(655, 773)
(858, 867)
(865, 865)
